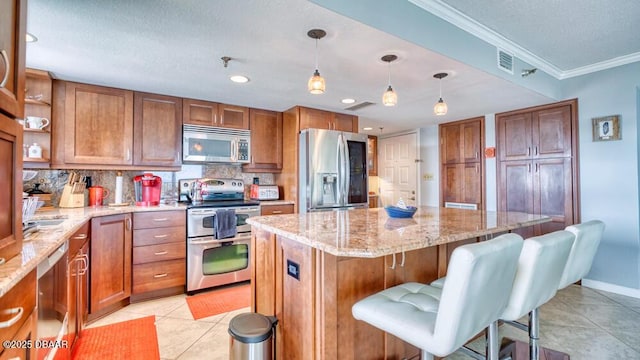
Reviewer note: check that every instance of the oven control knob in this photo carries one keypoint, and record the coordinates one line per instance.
(233, 183)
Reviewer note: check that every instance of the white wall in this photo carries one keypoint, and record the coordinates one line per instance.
(609, 170)
(430, 166)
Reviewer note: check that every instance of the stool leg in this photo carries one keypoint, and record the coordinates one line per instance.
(492, 348)
(534, 334)
(426, 356)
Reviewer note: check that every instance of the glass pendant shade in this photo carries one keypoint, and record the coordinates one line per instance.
(389, 98)
(440, 108)
(316, 83)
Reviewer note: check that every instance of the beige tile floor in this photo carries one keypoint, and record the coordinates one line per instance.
(585, 323)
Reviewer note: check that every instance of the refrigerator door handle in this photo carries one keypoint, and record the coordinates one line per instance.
(347, 171)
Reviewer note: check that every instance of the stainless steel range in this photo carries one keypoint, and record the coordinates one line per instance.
(218, 236)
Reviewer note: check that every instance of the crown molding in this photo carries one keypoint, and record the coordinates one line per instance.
(464, 22)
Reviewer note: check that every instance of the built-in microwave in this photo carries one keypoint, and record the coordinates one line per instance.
(208, 144)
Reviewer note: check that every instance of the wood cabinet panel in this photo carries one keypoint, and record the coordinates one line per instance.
(38, 84)
(155, 219)
(551, 135)
(344, 122)
(13, 23)
(98, 125)
(22, 295)
(372, 155)
(266, 141)
(158, 128)
(26, 333)
(234, 117)
(206, 113)
(514, 137)
(110, 260)
(158, 275)
(315, 119)
(267, 209)
(10, 188)
(160, 235)
(159, 252)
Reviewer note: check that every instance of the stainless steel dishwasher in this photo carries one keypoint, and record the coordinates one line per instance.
(53, 314)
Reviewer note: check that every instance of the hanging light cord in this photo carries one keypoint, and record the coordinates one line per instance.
(316, 54)
(440, 88)
(389, 73)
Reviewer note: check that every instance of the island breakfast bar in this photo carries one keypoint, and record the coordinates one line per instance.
(309, 269)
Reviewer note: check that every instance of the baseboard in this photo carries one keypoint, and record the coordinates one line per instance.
(617, 289)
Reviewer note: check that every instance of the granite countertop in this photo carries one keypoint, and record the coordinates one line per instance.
(37, 246)
(371, 233)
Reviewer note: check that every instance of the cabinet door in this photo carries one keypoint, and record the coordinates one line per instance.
(198, 112)
(343, 122)
(98, 125)
(372, 155)
(450, 144)
(10, 188)
(552, 192)
(266, 141)
(234, 117)
(462, 183)
(470, 138)
(13, 22)
(552, 132)
(516, 190)
(158, 130)
(514, 136)
(315, 119)
(110, 273)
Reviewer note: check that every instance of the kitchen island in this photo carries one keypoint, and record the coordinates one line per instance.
(309, 269)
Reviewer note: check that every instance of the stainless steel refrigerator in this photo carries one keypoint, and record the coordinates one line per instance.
(333, 170)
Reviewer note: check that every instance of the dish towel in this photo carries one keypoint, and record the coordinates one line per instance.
(224, 223)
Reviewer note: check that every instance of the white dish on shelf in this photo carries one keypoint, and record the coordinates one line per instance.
(28, 175)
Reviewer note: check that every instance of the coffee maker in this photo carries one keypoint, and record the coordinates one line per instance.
(147, 188)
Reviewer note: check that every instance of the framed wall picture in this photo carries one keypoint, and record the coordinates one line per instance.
(606, 128)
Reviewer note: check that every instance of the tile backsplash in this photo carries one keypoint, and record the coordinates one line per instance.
(53, 181)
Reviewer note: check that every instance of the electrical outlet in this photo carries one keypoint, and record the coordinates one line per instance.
(427, 177)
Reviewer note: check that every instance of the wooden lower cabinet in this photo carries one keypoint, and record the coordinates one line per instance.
(22, 295)
(110, 269)
(159, 253)
(314, 309)
(278, 209)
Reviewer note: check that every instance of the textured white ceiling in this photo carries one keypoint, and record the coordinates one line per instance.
(174, 47)
(568, 34)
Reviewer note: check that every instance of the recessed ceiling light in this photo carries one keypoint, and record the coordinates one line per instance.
(348, 101)
(367, 128)
(241, 79)
(31, 38)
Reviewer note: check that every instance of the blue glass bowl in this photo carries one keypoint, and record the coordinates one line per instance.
(396, 212)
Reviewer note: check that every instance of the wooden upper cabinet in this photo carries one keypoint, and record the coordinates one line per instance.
(157, 123)
(231, 116)
(98, 125)
(320, 119)
(10, 188)
(538, 134)
(13, 23)
(206, 113)
(460, 142)
(372, 155)
(266, 141)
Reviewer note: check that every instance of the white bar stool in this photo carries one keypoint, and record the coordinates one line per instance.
(439, 321)
(588, 236)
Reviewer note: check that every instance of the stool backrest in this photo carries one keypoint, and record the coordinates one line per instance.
(542, 261)
(479, 281)
(583, 251)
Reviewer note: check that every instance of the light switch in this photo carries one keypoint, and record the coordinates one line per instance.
(427, 177)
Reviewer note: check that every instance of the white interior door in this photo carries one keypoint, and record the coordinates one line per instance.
(398, 168)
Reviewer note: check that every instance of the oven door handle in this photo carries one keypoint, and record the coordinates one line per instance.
(219, 241)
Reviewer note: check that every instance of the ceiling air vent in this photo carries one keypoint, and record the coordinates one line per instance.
(359, 106)
(505, 61)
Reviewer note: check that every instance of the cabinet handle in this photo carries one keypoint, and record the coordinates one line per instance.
(129, 223)
(18, 311)
(529, 151)
(2, 261)
(529, 167)
(161, 219)
(403, 257)
(276, 212)
(537, 167)
(80, 237)
(393, 264)
(535, 150)
(476, 154)
(128, 154)
(215, 118)
(158, 276)
(161, 253)
(5, 58)
(160, 236)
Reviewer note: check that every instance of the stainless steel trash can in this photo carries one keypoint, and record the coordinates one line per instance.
(251, 337)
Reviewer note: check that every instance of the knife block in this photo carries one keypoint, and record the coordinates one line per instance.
(68, 199)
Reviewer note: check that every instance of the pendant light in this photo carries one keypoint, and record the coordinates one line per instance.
(389, 98)
(440, 108)
(316, 83)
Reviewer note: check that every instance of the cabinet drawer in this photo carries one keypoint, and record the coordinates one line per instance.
(159, 236)
(161, 252)
(22, 296)
(154, 219)
(158, 275)
(24, 334)
(78, 239)
(276, 209)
